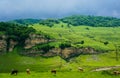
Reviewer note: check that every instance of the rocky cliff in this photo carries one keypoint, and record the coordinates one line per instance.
(34, 39)
(2, 44)
(29, 42)
(65, 53)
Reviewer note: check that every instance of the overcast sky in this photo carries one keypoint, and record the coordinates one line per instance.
(16, 9)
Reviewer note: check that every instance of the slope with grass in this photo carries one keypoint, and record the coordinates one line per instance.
(95, 37)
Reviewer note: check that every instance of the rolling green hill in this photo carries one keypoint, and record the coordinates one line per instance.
(95, 37)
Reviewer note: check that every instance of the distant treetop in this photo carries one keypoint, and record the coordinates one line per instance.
(95, 21)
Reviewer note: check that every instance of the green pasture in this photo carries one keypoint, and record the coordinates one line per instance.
(41, 67)
(60, 75)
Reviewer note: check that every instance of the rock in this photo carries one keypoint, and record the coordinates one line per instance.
(33, 40)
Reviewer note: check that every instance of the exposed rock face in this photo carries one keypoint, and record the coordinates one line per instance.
(33, 40)
(2, 45)
(12, 45)
(65, 53)
(70, 52)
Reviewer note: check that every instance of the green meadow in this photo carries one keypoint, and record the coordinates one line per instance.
(41, 67)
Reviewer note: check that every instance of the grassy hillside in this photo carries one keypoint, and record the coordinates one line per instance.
(94, 37)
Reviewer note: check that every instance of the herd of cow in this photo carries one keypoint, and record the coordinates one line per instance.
(15, 72)
(54, 71)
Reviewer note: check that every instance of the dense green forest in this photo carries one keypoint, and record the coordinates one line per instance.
(92, 21)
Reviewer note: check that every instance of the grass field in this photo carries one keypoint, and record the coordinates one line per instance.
(41, 67)
(60, 75)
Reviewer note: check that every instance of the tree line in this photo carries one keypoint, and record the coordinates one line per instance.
(49, 22)
(95, 21)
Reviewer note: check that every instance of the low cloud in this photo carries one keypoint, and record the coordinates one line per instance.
(15, 9)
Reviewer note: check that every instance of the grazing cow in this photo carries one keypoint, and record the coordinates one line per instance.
(53, 71)
(14, 72)
(28, 71)
(80, 69)
(116, 72)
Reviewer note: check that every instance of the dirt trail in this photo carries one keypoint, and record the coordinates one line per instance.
(106, 68)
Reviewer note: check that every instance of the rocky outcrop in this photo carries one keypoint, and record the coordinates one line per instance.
(66, 53)
(12, 45)
(33, 40)
(69, 52)
(2, 44)
(8, 45)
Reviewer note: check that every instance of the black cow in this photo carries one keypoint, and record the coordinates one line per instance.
(14, 72)
(53, 71)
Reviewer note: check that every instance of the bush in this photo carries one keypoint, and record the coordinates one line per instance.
(64, 45)
(106, 43)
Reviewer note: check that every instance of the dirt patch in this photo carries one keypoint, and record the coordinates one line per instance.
(106, 68)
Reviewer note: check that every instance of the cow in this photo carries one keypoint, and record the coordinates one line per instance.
(116, 72)
(14, 72)
(28, 71)
(53, 71)
(80, 69)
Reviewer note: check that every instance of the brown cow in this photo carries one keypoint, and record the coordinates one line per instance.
(80, 69)
(28, 71)
(116, 72)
